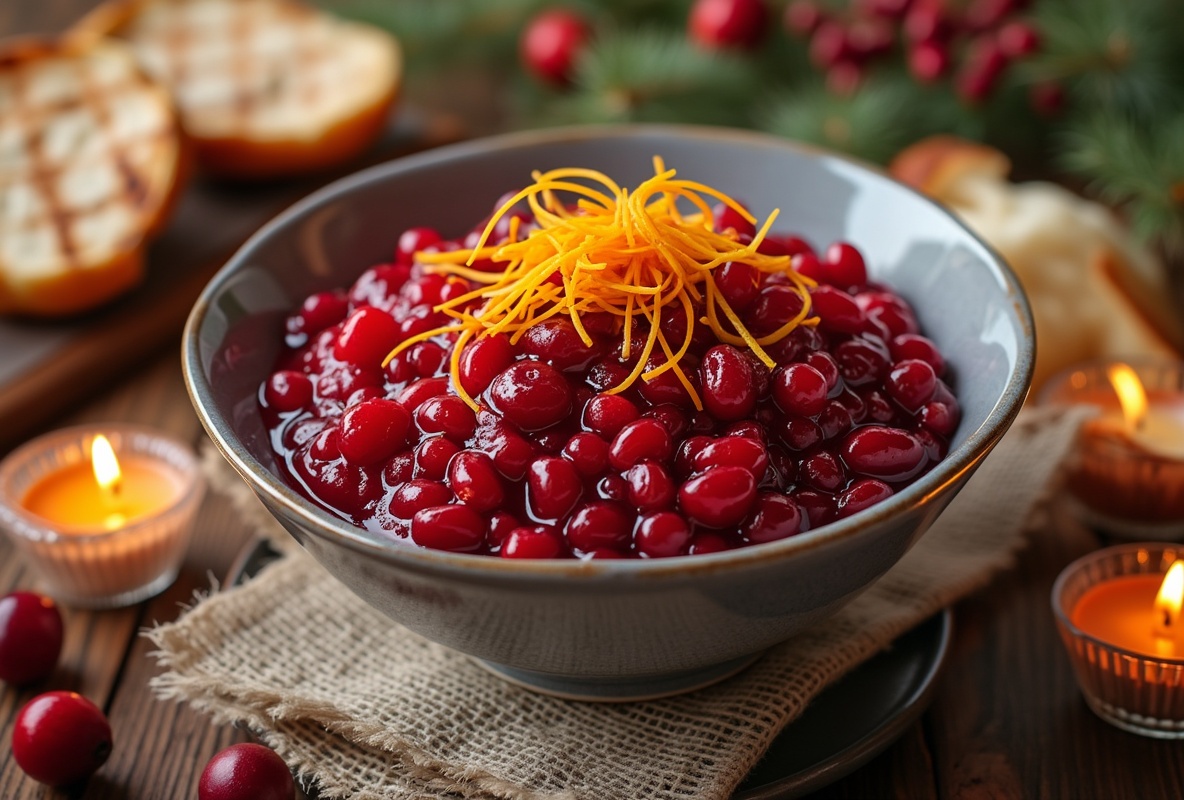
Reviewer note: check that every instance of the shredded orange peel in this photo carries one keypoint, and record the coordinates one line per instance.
(629, 254)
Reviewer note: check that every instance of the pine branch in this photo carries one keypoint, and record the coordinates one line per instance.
(650, 75)
(1138, 169)
(887, 113)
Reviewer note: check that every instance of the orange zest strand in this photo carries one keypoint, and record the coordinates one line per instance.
(629, 254)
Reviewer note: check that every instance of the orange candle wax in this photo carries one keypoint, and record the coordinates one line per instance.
(72, 497)
(1122, 612)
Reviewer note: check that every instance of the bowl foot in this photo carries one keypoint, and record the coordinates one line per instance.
(618, 690)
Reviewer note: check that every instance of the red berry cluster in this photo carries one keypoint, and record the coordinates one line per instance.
(975, 41)
(553, 465)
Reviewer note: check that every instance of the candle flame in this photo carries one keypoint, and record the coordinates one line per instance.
(1130, 393)
(106, 465)
(1170, 597)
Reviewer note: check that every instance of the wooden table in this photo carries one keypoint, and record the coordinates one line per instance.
(1006, 719)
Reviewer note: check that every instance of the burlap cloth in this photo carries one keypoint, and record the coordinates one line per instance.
(361, 708)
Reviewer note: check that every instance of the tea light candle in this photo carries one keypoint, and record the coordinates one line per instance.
(104, 516)
(1118, 612)
(1127, 475)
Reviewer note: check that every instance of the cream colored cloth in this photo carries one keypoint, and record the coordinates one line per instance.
(362, 708)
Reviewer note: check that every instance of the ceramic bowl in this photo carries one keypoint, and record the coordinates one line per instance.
(633, 628)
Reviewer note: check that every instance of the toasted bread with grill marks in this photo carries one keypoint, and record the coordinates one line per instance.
(265, 88)
(91, 158)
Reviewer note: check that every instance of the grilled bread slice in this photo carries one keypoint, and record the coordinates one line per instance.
(265, 88)
(1094, 292)
(90, 160)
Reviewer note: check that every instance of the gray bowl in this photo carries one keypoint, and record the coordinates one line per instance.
(614, 629)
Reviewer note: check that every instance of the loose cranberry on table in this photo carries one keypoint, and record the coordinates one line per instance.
(544, 448)
(246, 772)
(60, 738)
(30, 637)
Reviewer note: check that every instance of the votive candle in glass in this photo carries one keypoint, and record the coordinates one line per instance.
(1118, 612)
(102, 513)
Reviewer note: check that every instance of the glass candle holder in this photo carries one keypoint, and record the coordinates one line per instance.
(96, 551)
(1126, 480)
(1131, 674)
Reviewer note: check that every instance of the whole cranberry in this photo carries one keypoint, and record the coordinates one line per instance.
(246, 772)
(727, 23)
(662, 535)
(729, 389)
(373, 431)
(719, 497)
(535, 541)
(531, 394)
(454, 527)
(776, 517)
(30, 637)
(551, 43)
(60, 738)
(366, 337)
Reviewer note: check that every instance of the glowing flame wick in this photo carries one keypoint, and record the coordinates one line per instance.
(106, 465)
(1169, 601)
(1131, 394)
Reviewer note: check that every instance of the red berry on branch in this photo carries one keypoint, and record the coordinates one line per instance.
(829, 45)
(926, 22)
(719, 24)
(891, 9)
(1017, 39)
(246, 772)
(844, 78)
(30, 637)
(60, 738)
(802, 17)
(928, 61)
(1047, 98)
(983, 15)
(869, 37)
(980, 73)
(551, 43)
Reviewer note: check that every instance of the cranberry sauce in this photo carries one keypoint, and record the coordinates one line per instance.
(552, 466)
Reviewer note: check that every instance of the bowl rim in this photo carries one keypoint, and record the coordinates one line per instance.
(485, 569)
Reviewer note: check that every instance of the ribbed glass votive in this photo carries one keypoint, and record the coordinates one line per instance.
(1119, 485)
(1141, 692)
(114, 562)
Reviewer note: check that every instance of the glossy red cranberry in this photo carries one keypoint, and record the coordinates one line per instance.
(666, 389)
(640, 440)
(819, 507)
(662, 535)
(705, 543)
(457, 528)
(727, 23)
(30, 637)
(890, 310)
(446, 414)
(800, 389)
(825, 363)
(746, 429)
(912, 345)
(60, 738)
(482, 361)
(822, 471)
(940, 417)
(844, 266)
(776, 306)
(557, 342)
(589, 453)
(835, 419)
(416, 495)
(553, 488)
(719, 497)
(551, 43)
(473, 478)
(774, 517)
(606, 414)
(318, 312)
(600, 524)
(860, 495)
(534, 541)
(739, 283)
(498, 528)
(246, 772)
(511, 455)
(412, 240)
(799, 433)
(729, 389)
(912, 383)
(531, 394)
(650, 486)
(734, 451)
(399, 469)
(837, 311)
(427, 359)
(378, 286)
(432, 457)
(419, 391)
(675, 420)
(862, 361)
(287, 391)
(890, 454)
(372, 431)
(366, 337)
(725, 217)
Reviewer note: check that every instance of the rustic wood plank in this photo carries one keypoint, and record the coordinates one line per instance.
(1008, 719)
